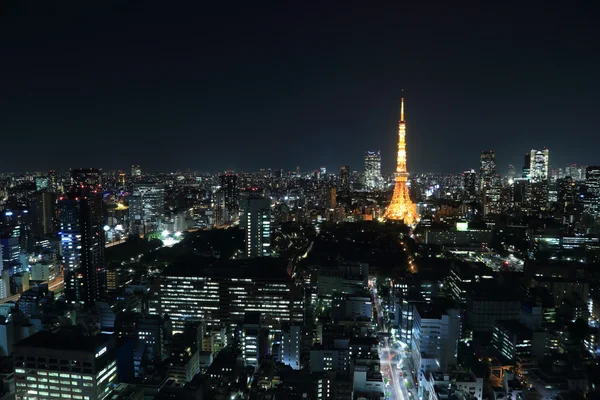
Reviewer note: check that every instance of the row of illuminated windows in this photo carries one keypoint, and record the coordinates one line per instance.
(31, 375)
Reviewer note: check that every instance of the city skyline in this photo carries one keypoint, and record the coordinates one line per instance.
(153, 86)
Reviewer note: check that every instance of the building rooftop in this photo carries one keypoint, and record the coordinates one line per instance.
(266, 268)
(64, 340)
(514, 327)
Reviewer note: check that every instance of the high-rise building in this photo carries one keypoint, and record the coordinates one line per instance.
(291, 336)
(592, 181)
(136, 172)
(401, 207)
(539, 165)
(146, 208)
(255, 219)
(59, 365)
(436, 331)
(82, 238)
(469, 181)
(323, 172)
(373, 178)
(230, 191)
(512, 172)
(43, 213)
(222, 293)
(538, 179)
(487, 168)
(526, 170)
(344, 183)
(52, 183)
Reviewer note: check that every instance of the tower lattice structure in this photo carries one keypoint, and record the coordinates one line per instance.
(401, 208)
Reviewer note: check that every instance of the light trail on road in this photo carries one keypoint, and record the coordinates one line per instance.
(56, 284)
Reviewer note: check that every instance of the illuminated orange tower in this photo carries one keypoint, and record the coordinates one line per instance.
(401, 208)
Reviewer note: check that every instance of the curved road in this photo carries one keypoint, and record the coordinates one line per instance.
(56, 284)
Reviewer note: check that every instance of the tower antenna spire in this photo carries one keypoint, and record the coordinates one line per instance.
(402, 107)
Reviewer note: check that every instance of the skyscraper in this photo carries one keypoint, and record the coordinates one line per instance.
(53, 185)
(512, 172)
(255, 218)
(136, 172)
(146, 208)
(43, 213)
(592, 181)
(373, 178)
(230, 191)
(487, 169)
(538, 179)
(401, 208)
(345, 180)
(82, 238)
(539, 165)
(469, 181)
(526, 171)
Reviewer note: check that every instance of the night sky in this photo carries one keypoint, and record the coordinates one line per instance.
(180, 84)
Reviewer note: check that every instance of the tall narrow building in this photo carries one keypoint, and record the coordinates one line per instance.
(82, 239)
(230, 192)
(146, 208)
(344, 183)
(373, 178)
(255, 219)
(487, 169)
(43, 214)
(539, 165)
(401, 208)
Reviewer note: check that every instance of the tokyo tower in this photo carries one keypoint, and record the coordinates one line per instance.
(401, 208)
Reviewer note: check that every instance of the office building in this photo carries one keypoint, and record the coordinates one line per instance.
(469, 183)
(344, 180)
(60, 365)
(43, 214)
(512, 172)
(513, 340)
(436, 331)
(52, 183)
(223, 292)
(333, 357)
(487, 306)
(43, 271)
(11, 253)
(539, 165)
(526, 170)
(136, 172)
(255, 219)
(373, 178)
(33, 300)
(487, 169)
(146, 208)
(82, 239)
(231, 193)
(4, 283)
(291, 336)
(323, 172)
(592, 181)
(254, 340)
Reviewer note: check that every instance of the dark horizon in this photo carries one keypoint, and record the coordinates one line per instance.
(244, 88)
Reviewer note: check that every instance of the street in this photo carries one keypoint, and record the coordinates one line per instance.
(55, 285)
(394, 359)
(389, 358)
